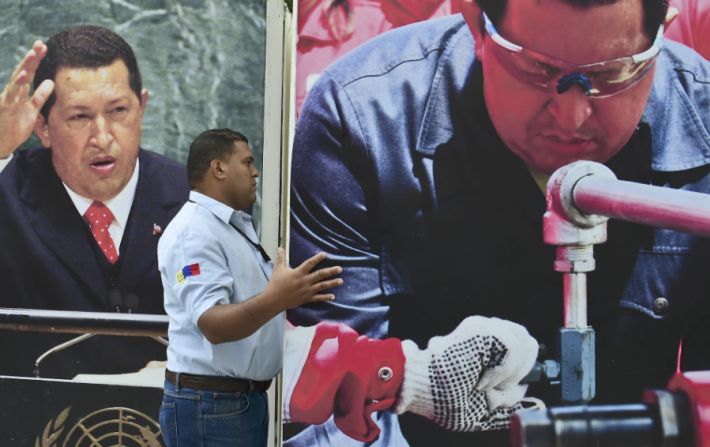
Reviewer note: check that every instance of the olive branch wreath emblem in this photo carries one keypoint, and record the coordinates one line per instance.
(127, 417)
(53, 430)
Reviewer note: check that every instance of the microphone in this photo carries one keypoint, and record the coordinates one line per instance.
(115, 300)
(131, 302)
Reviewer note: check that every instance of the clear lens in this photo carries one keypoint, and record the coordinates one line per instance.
(544, 72)
(607, 78)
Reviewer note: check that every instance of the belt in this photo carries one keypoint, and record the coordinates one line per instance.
(217, 383)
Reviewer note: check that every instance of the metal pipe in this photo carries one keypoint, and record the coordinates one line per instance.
(686, 211)
(665, 419)
(574, 261)
(580, 426)
(575, 299)
(76, 322)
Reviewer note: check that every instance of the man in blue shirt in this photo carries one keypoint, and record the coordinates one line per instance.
(225, 300)
(430, 145)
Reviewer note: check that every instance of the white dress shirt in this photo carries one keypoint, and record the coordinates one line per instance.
(120, 206)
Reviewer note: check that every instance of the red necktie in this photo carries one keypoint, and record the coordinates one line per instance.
(99, 218)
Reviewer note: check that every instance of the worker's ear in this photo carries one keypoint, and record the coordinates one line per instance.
(472, 13)
(217, 169)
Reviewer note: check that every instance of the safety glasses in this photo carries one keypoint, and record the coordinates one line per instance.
(598, 80)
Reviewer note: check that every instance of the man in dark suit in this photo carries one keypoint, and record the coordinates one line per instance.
(80, 218)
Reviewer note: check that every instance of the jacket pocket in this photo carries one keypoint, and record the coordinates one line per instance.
(661, 283)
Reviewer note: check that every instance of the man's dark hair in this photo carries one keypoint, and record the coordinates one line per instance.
(86, 46)
(212, 144)
(654, 11)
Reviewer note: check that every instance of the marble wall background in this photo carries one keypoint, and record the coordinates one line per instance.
(201, 60)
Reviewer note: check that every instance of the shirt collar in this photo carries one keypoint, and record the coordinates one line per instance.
(223, 212)
(119, 205)
(220, 210)
(226, 214)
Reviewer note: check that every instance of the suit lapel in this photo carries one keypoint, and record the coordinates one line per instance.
(54, 218)
(154, 204)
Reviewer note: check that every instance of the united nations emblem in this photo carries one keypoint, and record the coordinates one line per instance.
(116, 426)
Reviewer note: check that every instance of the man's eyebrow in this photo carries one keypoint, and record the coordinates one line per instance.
(84, 107)
(76, 107)
(119, 99)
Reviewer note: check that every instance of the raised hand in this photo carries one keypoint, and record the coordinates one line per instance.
(19, 110)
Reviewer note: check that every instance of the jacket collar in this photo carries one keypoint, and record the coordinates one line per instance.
(680, 138)
(155, 202)
(56, 221)
(452, 74)
(59, 225)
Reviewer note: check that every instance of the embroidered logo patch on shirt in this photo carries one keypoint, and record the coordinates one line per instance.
(188, 270)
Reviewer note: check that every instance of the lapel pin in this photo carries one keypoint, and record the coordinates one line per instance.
(157, 230)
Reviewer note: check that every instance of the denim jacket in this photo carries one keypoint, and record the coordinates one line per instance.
(400, 177)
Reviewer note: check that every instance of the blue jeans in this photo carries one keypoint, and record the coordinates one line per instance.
(196, 418)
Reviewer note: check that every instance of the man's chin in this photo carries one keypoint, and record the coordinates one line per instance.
(103, 190)
(550, 165)
(558, 153)
(547, 167)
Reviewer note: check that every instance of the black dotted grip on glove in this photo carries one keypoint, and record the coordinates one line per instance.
(458, 406)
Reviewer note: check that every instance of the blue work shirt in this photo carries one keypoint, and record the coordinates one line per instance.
(204, 261)
(399, 176)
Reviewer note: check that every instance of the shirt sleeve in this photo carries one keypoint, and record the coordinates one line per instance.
(198, 274)
(332, 211)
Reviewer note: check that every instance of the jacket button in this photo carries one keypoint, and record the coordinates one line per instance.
(660, 305)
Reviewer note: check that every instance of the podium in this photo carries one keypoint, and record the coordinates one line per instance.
(44, 412)
(54, 413)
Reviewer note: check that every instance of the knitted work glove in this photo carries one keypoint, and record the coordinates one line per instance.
(468, 380)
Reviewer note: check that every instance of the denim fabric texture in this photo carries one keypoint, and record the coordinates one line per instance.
(197, 418)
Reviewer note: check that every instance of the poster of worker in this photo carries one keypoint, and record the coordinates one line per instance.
(420, 162)
(132, 84)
